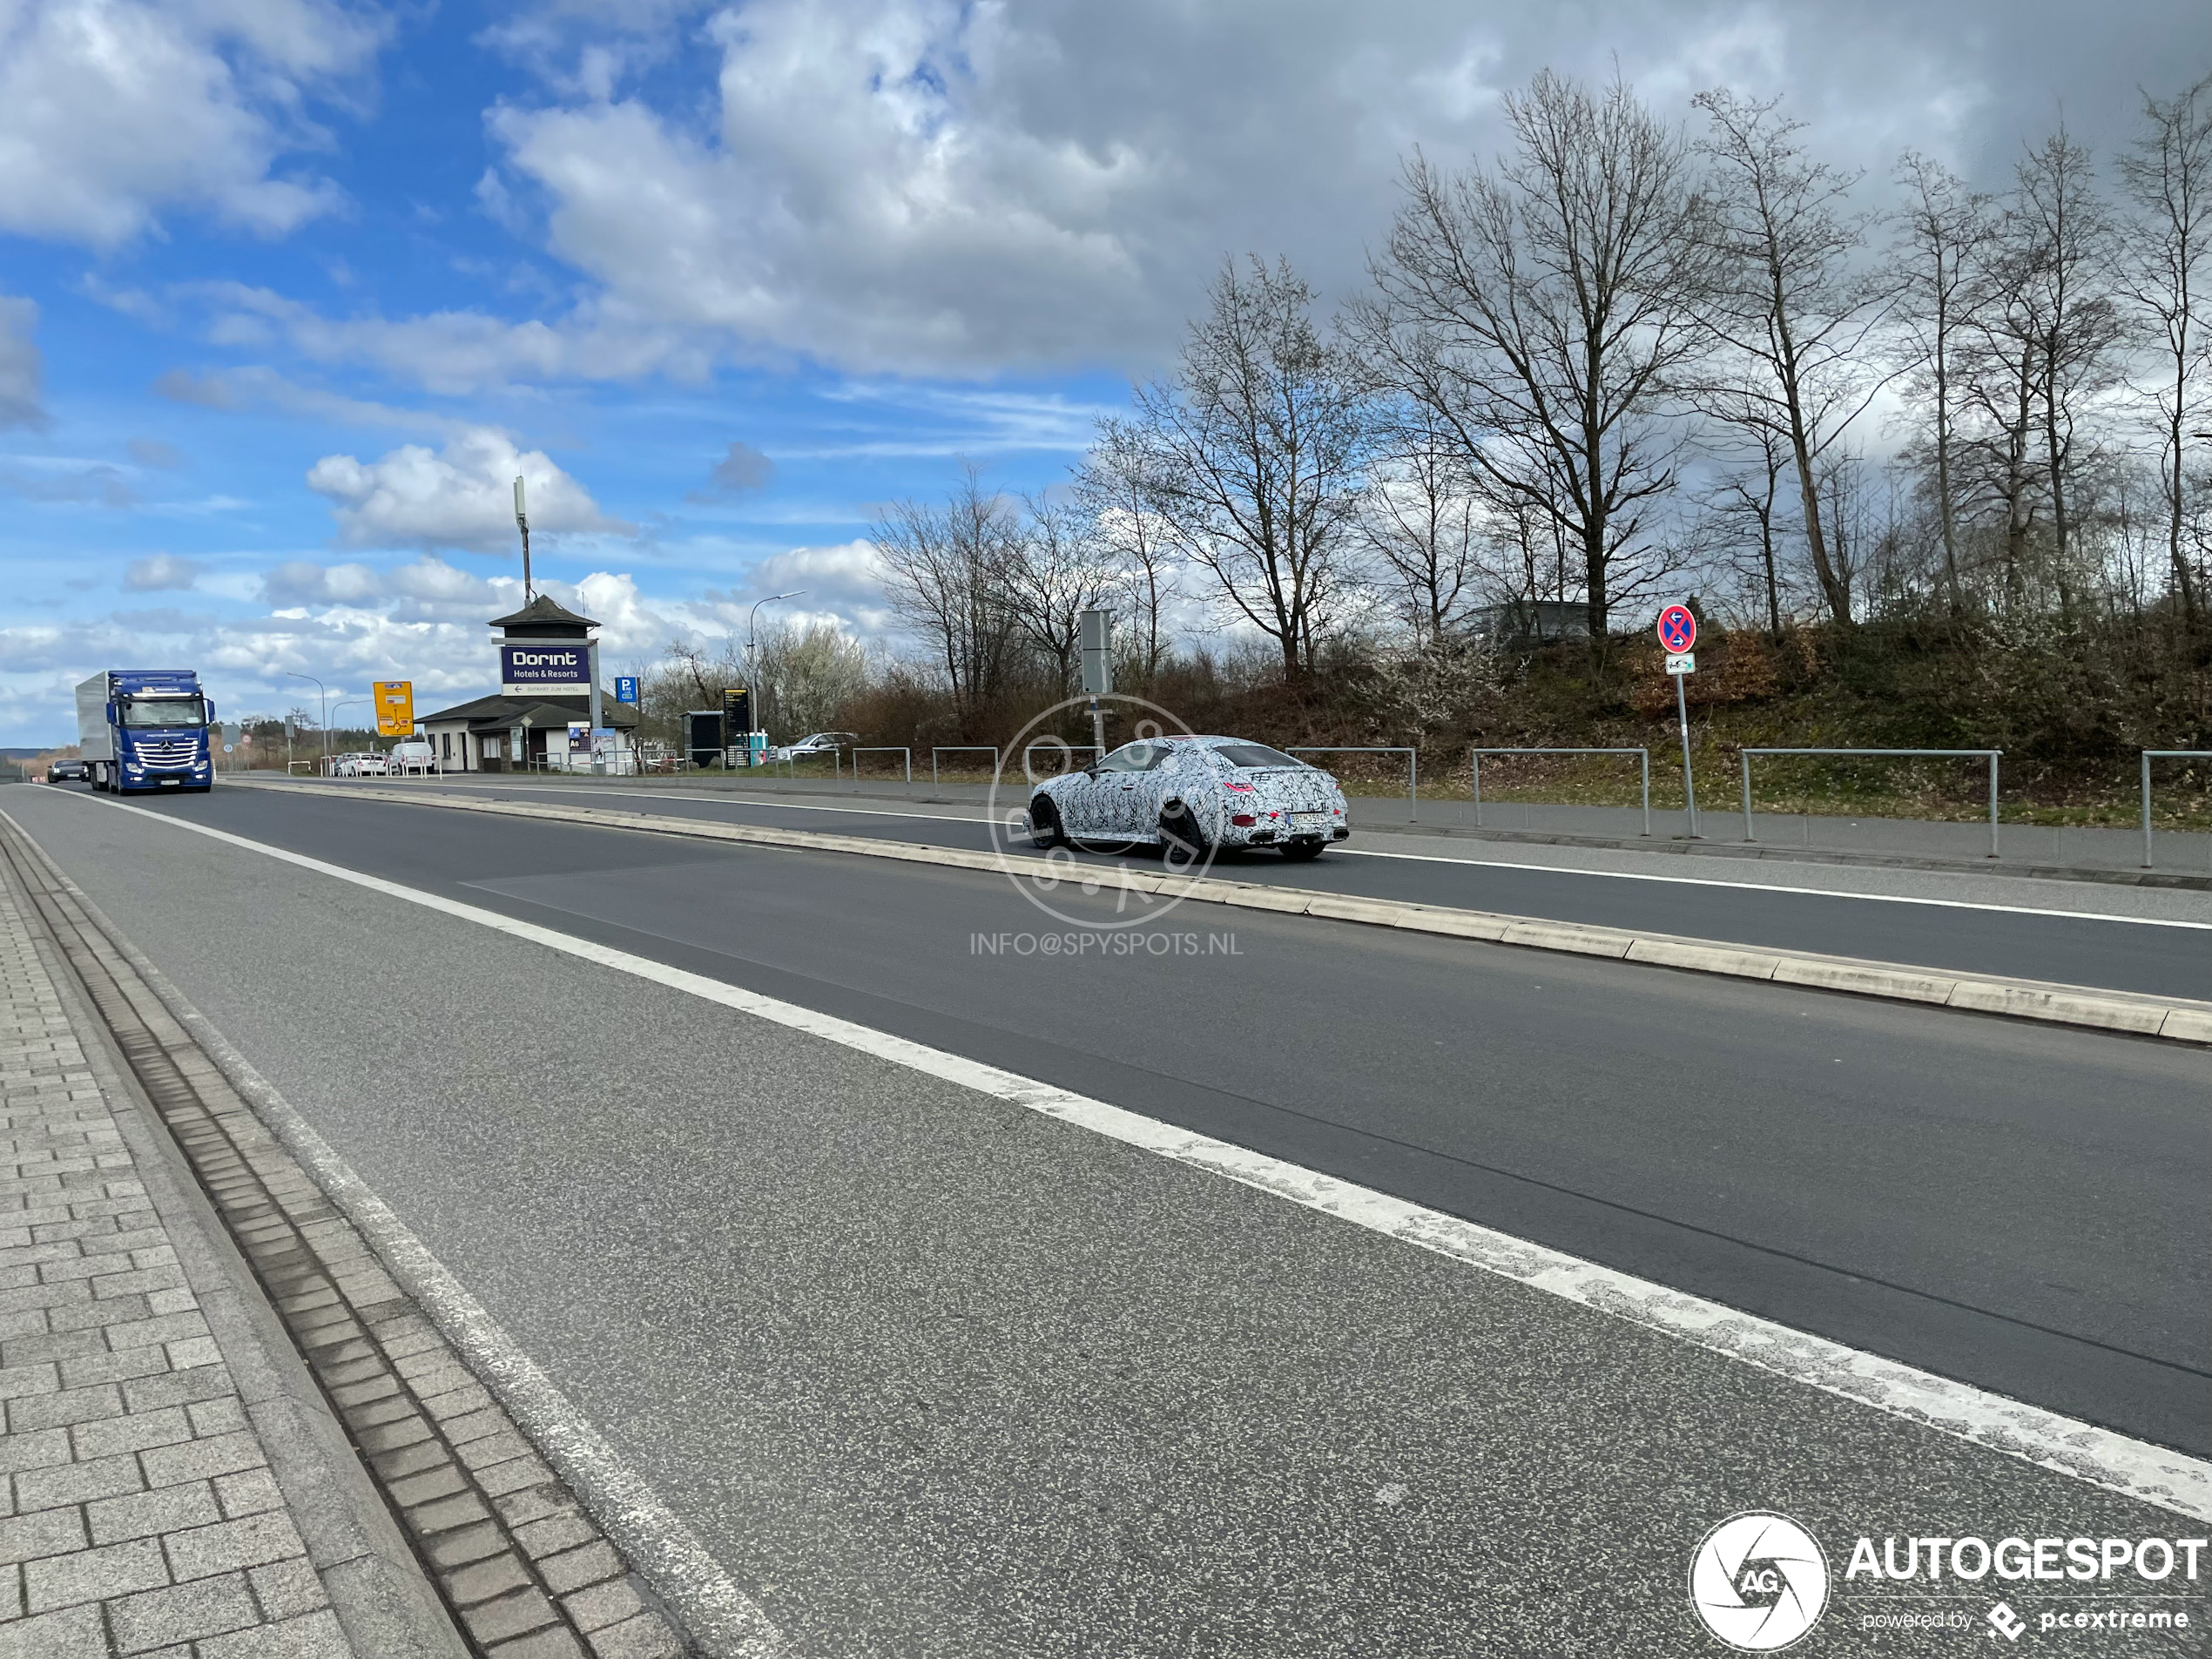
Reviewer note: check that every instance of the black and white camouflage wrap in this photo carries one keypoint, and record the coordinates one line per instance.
(1123, 799)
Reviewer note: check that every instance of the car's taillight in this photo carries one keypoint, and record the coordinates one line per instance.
(1243, 821)
(1236, 788)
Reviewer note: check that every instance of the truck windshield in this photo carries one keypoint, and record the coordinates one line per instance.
(163, 711)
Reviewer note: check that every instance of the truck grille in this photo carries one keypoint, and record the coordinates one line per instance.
(176, 752)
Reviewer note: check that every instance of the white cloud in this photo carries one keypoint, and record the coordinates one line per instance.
(21, 370)
(112, 110)
(463, 496)
(160, 573)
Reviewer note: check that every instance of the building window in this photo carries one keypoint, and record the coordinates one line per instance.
(445, 745)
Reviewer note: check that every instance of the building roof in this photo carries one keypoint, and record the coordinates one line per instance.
(544, 611)
(497, 712)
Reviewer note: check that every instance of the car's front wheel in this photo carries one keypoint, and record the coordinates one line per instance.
(1045, 831)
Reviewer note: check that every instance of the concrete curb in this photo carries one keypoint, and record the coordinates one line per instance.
(2174, 1019)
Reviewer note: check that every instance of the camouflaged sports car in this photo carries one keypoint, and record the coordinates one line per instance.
(1189, 794)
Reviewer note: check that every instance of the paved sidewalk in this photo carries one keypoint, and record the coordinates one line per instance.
(140, 1513)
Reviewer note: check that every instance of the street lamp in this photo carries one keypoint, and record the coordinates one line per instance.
(751, 667)
(347, 703)
(296, 675)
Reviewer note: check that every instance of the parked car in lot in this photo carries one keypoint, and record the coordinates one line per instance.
(360, 765)
(412, 754)
(1187, 795)
(821, 743)
(68, 771)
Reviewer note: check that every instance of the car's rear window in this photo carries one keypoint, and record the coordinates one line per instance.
(1254, 754)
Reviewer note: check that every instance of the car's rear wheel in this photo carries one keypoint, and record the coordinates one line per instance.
(1183, 841)
(1299, 852)
(1044, 824)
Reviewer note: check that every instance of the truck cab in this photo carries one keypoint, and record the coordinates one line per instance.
(142, 729)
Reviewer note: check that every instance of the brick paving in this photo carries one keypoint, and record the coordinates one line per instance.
(137, 1511)
(524, 1569)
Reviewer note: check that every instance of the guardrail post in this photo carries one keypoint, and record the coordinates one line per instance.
(2147, 809)
(1413, 786)
(1645, 756)
(1743, 759)
(1994, 753)
(1476, 760)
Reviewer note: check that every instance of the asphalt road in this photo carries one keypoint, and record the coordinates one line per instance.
(935, 1376)
(2120, 954)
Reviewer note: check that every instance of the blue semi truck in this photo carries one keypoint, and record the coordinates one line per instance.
(146, 728)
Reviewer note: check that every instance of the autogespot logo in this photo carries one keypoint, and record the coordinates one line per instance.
(1115, 820)
(1759, 1582)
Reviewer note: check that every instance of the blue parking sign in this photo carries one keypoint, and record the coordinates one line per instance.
(625, 688)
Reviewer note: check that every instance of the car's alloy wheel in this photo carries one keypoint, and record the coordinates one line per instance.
(1044, 824)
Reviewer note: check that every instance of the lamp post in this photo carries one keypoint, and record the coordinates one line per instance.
(344, 703)
(751, 666)
(319, 686)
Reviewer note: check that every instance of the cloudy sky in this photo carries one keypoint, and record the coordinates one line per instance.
(289, 291)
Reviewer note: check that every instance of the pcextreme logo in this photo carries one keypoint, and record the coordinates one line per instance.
(1759, 1582)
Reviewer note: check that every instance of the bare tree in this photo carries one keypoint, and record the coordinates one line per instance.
(1790, 320)
(1538, 306)
(1055, 570)
(2168, 175)
(944, 574)
(2064, 236)
(1424, 524)
(1941, 231)
(1748, 495)
(1254, 457)
(1115, 487)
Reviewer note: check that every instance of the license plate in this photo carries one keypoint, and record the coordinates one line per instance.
(1303, 821)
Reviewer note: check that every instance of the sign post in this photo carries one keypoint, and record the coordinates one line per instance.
(737, 724)
(1096, 634)
(1678, 633)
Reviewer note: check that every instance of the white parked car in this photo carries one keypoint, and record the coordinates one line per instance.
(821, 743)
(1189, 794)
(412, 754)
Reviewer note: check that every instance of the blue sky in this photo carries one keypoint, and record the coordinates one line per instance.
(289, 289)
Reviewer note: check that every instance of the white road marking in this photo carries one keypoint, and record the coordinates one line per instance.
(2151, 1473)
(1505, 864)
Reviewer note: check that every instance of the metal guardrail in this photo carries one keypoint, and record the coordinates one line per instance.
(883, 749)
(1413, 766)
(1991, 755)
(2150, 755)
(1475, 764)
(963, 749)
(1056, 744)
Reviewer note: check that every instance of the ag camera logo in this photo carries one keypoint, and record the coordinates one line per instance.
(1759, 1582)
